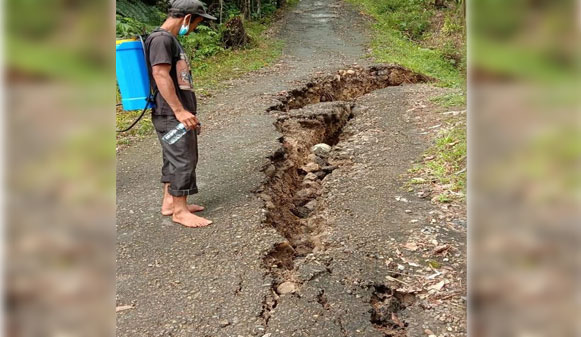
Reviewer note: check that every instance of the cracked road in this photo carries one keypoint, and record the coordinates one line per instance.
(212, 281)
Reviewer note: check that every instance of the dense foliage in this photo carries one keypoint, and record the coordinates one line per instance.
(427, 36)
(136, 17)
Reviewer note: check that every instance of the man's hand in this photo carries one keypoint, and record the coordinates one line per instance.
(187, 118)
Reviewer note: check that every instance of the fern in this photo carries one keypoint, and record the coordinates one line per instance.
(139, 11)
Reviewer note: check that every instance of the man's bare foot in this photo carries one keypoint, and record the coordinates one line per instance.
(189, 220)
(167, 203)
(167, 208)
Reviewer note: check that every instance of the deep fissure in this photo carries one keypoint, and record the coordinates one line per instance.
(386, 303)
(311, 120)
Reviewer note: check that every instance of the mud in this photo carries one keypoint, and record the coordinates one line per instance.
(293, 185)
(314, 114)
(347, 85)
(386, 303)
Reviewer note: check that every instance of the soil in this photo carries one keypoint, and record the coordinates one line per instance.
(303, 243)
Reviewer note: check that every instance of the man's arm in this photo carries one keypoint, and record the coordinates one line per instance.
(166, 88)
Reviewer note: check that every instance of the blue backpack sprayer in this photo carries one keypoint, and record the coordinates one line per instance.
(133, 77)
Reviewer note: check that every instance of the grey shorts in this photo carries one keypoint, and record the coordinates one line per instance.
(179, 159)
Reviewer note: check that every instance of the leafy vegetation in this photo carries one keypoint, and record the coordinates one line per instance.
(212, 63)
(428, 36)
(444, 164)
(451, 100)
(424, 35)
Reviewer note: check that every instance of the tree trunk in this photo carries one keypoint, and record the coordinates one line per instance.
(234, 35)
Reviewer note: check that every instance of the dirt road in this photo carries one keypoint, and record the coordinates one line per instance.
(302, 244)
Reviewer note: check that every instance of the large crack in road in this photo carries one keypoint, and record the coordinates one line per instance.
(331, 248)
(311, 120)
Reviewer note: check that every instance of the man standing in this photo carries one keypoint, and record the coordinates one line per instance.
(176, 103)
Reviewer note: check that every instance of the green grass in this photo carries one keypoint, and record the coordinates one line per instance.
(398, 27)
(450, 100)
(211, 72)
(444, 165)
(143, 128)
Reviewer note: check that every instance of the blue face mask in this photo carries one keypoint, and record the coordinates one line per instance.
(184, 29)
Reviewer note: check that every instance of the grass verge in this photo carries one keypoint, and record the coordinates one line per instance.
(404, 34)
(443, 167)
(211, 72)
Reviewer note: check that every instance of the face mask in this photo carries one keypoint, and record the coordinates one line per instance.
(184, 29)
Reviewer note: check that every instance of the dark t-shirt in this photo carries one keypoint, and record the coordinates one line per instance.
(164, 48)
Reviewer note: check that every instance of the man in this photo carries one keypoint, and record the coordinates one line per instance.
(176, 103)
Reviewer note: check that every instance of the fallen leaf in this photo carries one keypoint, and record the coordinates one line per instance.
(411, 246)
(438, 286)
(434, 264)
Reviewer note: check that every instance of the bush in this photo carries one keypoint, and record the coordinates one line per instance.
(129, 27)
(411, 17)
(136, 10)
(203, 43)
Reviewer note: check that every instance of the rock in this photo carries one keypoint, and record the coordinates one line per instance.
(224, 323)
(329, 168)
(321, 174)
(286, 288)
(314, 184)
(321, 150)
(270, 170)
(311, 176)
(316, 159)
(311, 167)
(301, 211)
(311, 205)
(306, 193)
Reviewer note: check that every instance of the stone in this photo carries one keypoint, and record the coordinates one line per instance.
(286, 288)
(270, 170)
(316, 159)
(311, 176)
(307, 193)
(321, 150)
(301, 211)
(311, 167)
(321, 174)
(224, 323)
(329, 168)
(311, 205)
